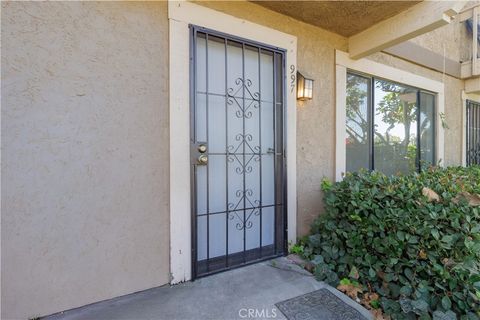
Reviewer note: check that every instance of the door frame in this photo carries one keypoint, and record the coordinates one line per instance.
(181, 14)
(194, 29)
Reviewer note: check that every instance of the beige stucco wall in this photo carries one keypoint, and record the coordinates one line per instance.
(447, 40)
(452, 40)
(85, 145)
(316, 118)
(84, 153)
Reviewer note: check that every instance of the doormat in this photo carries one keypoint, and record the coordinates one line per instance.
(316, 305)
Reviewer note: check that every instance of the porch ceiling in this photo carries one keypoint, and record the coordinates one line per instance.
(343, 17)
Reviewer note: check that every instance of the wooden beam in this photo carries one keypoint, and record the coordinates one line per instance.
(467, 11)
(417, 54)
(419, 19)
(465, 15)
(472, 85)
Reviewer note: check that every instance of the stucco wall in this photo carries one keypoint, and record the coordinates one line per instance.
(85, 145)
(316, 118)
(449, 40)
(452, 40)
(84, 153)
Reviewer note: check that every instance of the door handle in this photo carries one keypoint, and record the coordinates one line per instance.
(202, 148)
(202, 159)
(272, 151)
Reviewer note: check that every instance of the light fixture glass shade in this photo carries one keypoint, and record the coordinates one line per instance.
(304, 87)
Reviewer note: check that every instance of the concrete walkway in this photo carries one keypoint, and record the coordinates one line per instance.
(227, 295)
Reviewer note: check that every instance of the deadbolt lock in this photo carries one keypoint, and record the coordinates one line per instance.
(202, 148)
(202, 159)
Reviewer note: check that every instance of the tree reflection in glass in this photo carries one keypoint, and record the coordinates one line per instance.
(395, 142)
(389, 114)
(357, 122)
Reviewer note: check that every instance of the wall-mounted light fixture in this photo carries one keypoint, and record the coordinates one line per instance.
(304, 87)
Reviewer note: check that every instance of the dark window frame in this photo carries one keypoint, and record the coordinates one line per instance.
(472, 140)
(371, 116)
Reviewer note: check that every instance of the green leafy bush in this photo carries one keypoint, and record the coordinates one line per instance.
(420, 255)
(297, 249)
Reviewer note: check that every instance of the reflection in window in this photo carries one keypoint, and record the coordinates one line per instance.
(395, 145)
(427, 133)
(389, 126)
(358, 93)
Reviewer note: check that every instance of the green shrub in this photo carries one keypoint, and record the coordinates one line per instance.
(297, 249)
(421, 256)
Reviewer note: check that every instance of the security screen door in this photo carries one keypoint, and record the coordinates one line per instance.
(237, 151)
(473, 133)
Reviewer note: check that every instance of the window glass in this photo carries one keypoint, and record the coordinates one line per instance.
(395, 142)
(390, 127)
(357, 122)
(427, 133)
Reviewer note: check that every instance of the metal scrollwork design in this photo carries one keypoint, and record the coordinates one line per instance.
(243, 167)
(253, 153)
(244, 111)
(243, 140)
(244, 222)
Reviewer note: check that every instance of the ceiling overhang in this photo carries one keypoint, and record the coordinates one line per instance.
(342, 17)
(371, 26)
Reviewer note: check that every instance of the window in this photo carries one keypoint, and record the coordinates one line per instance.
(389, 126)
(473, 133)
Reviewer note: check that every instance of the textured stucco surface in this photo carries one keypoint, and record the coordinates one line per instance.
(450, 40)
(85, 144)
(84, 153)
(337, 16)
(315, 118)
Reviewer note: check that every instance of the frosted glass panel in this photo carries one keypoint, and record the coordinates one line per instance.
(252, 230)
(268, 180)
(266, 76)
(201, 114)
(252, 127)
(268, 223)
(216, 65)
(235, 232)
(251, 73)
(216, 183)
(252, 181)
(235, 130)
(201, 189)
(218, 235)
(235, 182)
(267, 126)
(201, 63)
(216, 127)
(234, 69)
(201, 238)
